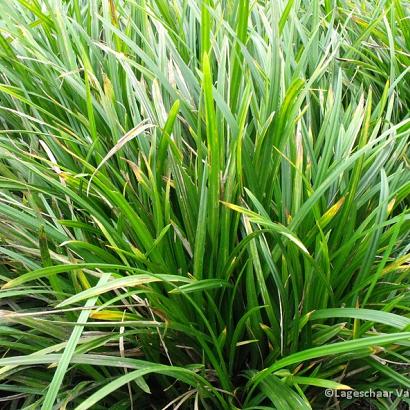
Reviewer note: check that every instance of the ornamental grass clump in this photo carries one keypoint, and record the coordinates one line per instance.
(204, 204)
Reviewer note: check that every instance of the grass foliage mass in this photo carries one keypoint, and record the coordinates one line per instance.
(204, 204)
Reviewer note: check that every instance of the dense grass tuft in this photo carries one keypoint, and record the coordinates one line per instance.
(204, 204)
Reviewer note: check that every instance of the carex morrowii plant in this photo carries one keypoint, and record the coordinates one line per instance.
(204, 203)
